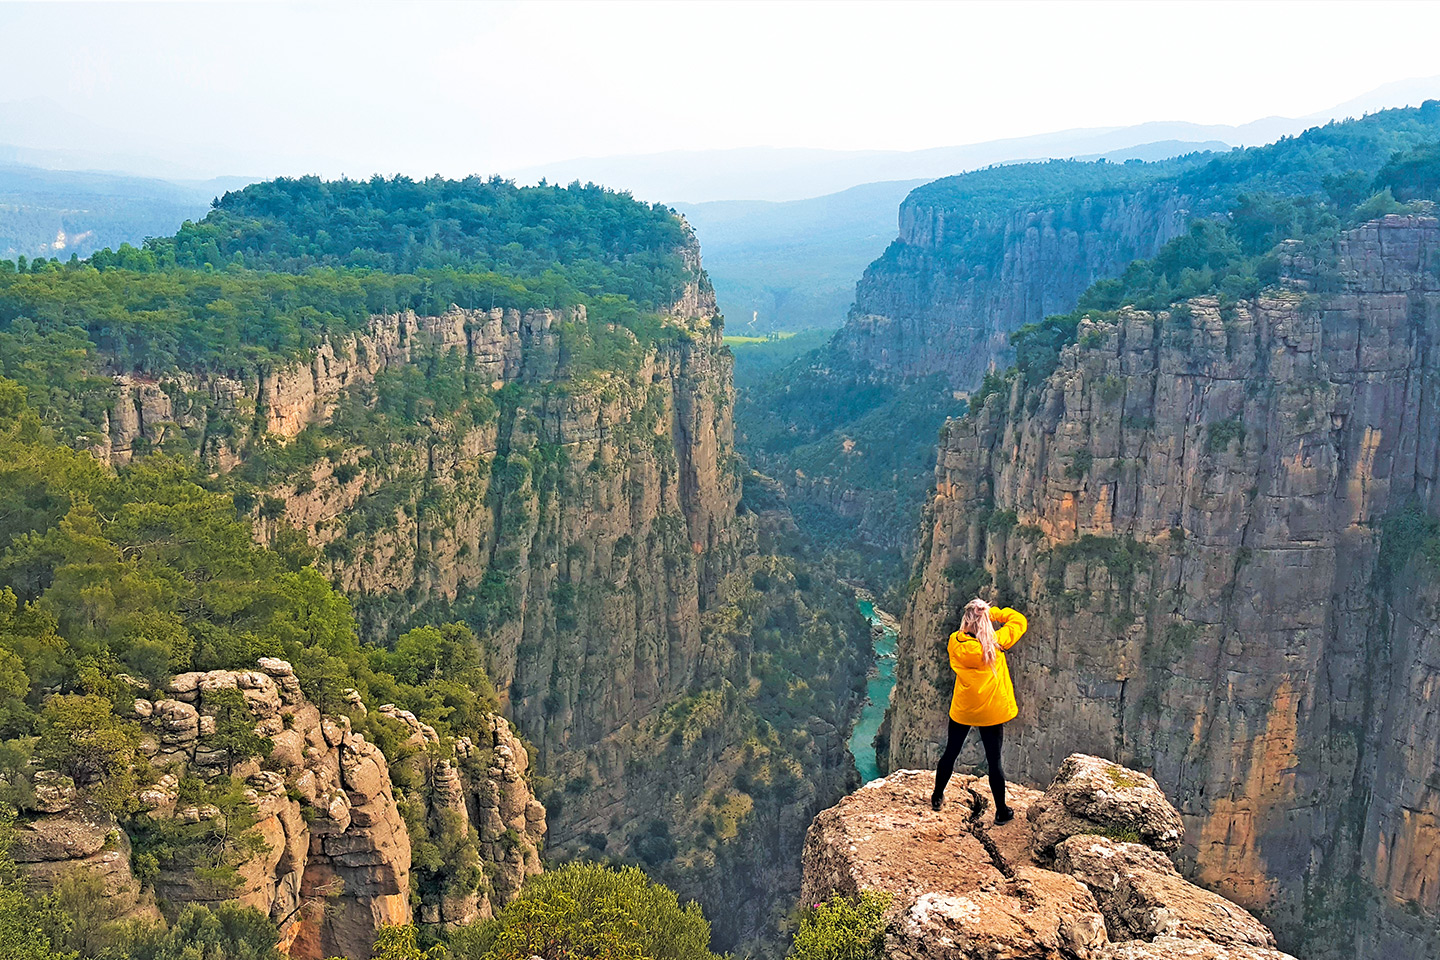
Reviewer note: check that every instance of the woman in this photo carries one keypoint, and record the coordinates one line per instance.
(984, 696)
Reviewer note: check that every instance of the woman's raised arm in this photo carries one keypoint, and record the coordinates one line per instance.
(1010, 626)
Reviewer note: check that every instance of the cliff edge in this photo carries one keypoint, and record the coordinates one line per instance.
(1083, 872)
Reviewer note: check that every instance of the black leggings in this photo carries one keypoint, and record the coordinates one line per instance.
(991, 738)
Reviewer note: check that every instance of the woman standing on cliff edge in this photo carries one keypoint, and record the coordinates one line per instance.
(984, 696)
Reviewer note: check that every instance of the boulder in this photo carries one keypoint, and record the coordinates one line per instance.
(54, 792)
(1169, 948)
(1143, 896)
(1091, 795)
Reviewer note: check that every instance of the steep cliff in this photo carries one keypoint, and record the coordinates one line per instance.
(1081, 873)
(952, 288)
(318, 839)
(1210, 515)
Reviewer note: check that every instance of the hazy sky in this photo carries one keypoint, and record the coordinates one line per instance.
(261, 88)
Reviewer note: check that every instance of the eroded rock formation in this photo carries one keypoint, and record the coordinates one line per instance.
(333, 862)
(962, 887)
(1205, 515)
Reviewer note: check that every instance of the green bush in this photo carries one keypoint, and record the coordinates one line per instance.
(1219, 436)
(588, 910)
(843, 929)
(226, 931)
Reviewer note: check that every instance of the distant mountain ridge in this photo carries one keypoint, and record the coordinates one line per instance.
(50, 213)
(783, 173)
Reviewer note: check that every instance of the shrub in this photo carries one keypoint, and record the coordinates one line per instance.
(1080, 464)
(225, 931)
(588, 910)
(1220, 435)
(843, 929)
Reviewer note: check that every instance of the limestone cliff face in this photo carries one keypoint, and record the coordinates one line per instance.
(1055, 883)
(333, 859)
(600, 503)
(504, 346)
(1192, 509)
(946, 296)
(586, 527)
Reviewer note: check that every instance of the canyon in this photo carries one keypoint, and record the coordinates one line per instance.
(578, 506)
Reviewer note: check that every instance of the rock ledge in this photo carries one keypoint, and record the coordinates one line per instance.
(1064, 879)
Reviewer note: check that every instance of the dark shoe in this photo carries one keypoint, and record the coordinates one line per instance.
(936, 800)
(1004, 815)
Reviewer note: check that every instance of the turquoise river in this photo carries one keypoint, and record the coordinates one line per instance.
(877, 699)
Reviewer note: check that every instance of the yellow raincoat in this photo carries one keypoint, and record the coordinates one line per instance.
(984, 697)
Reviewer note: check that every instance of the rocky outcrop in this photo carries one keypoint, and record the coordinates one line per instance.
(1090, 795)
(74, 837)
(335, 864)
(960, 886)
(1214, 520)
(330, 854)
(482, 792)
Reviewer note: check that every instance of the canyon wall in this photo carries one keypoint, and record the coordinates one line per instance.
(950, 290)
(1205, 514)
(593, 512)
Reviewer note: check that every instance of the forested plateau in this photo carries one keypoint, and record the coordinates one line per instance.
(307, 505)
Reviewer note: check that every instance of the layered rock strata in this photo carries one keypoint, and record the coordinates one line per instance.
(961, 887)
(1205, 514)
(333, 859)
(502, 345)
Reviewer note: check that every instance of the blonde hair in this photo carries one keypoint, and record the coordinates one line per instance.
(976, 622)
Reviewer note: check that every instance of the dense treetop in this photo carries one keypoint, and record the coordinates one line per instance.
(1001, 190)
(276, 267)
(1305, 188)
(1313, 162)
(603, 241)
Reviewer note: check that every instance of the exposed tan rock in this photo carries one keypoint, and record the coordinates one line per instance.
(953, 897)
(336, 859)
(54, 792)
(1143, 896)
(81, 839)
(1091, 795)
(963, 887)
(1169, 948)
